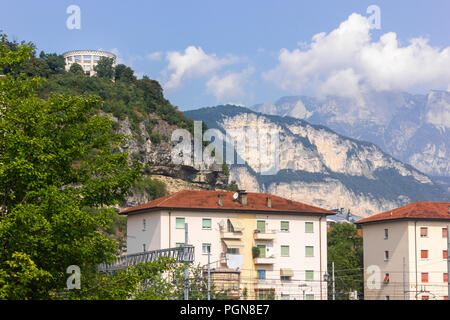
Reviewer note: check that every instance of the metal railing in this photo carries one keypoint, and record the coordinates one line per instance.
(123, 262)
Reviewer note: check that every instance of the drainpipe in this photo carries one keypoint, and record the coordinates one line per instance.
(170, 240)
(415, 251)
(320, 253)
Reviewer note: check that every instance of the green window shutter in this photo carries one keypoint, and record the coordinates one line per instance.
(285, 251)
(285, 297)
(262, 251)
(284, 226)
(261, 226)
(179, 244)
(179, 223)
(309, 296)
(309, 251)
(309, 227)
(206, 223)
(309, 275)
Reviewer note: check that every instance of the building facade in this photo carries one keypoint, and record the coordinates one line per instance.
(278, 247)
(405, 253)
(87, 59)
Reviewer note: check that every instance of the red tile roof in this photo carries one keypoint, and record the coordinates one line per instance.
(415, 210)
(208, 200)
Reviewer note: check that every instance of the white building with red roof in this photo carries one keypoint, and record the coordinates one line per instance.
(405, 252)
(278, 247)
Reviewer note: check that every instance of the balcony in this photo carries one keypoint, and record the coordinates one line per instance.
(264, 260)
(264, 234)
(230, 235)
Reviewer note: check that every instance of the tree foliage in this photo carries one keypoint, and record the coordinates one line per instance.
(60, 170)
(105, 68)
(346, 251)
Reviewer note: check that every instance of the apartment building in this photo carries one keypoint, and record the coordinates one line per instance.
(405, 253)
(277, 247)
(87, 59)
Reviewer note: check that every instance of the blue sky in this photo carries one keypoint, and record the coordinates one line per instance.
(210, 52)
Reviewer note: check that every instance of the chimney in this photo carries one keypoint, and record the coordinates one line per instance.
(269, 202)
(242, 197)
(219, 201)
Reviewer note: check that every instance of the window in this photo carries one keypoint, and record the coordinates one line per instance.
(309, 251)
(86, 57)
(285, 251)
(96, 58)
(261, 226)
(284, 226)
(445, 277)
(444, 254)
(386, 255)
(309, 296)
(309, 227)
(144, 247)
(179, 222)
(233, 250)
(77, 58)
(285, 296)
(444, 232)
(261, 274)
(69, 59)
(424, 276)
(386, 233)
(423, 232)
(144, 224)
(309, 275)
(206, 224)
(262, 250)
(285, 278)
(386, 278)
(387, 298)
(424, 254)
(206, 247)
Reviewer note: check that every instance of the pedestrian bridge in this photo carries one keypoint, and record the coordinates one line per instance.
(184, 254)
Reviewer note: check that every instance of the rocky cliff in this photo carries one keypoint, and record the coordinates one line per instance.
(321, 167)
(156, 158)
(412, 128)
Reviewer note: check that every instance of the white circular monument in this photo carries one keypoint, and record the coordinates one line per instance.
(87, 59)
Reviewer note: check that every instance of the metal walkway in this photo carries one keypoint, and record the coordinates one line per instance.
(180, 254)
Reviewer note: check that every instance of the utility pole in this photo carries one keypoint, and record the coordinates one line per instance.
(209, 273)
(334, 287)
(186, 269)
(448, 260)
(404, 278)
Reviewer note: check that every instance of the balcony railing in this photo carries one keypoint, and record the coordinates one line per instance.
(264, 260)
(264, 234)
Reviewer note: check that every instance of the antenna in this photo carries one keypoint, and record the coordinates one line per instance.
(235, 195)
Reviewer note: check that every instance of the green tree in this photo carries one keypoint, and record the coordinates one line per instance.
(76, 68)
(124, 73)
(105, 68)
(345, 249)
(61, 168)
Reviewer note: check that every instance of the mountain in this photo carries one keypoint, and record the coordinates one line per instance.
(412, 128)
(319, 166)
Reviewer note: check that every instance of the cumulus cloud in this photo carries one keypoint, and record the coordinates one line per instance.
(193, 63)
(347, 61)
(230, 86)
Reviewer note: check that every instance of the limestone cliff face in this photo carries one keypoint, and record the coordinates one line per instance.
(320, 167)
(412, 128)
(157, 157)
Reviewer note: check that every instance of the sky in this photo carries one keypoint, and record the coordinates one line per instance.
(206, 52)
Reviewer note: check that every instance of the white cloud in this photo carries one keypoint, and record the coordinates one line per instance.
(155, 56)
(193, 63)
(230, 86)
(347, 61)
